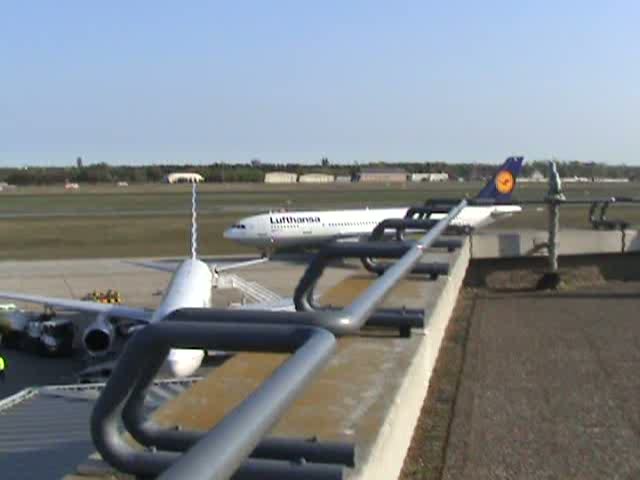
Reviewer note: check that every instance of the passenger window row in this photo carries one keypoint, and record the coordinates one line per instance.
(351, 224)
(336, 224)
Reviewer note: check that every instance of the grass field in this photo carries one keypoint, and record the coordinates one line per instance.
(153, 220)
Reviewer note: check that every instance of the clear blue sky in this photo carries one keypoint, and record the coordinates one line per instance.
(165, 81)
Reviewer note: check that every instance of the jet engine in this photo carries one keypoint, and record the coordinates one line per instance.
(98, 337)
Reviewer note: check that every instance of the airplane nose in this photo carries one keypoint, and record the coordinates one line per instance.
(228, 234)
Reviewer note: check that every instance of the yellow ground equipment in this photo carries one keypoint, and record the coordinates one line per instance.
(110, 296)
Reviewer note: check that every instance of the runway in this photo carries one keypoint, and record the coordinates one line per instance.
(80, 212)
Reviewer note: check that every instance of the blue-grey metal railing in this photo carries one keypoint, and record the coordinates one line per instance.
(304, 295)
(240, 432)
(236, 447)
(366, 303)
(400, 226)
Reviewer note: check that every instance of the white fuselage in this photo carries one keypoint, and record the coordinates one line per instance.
(285, 229)
(190, 287)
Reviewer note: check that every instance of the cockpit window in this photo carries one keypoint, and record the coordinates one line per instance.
(240, 226)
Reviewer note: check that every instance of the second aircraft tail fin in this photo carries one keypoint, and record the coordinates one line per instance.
(503, 183)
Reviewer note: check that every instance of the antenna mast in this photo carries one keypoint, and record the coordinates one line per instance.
(194, 223)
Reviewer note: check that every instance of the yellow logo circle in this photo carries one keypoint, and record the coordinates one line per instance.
(505, 182)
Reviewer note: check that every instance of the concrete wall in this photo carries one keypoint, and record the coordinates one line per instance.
(501, 244)
(389, 451)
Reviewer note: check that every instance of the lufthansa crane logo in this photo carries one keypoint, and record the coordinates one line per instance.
(505, 182)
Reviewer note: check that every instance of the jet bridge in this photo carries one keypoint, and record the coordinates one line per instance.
(237, 446)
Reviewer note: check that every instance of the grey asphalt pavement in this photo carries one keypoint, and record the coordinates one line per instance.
(550, 387)
(29, 370)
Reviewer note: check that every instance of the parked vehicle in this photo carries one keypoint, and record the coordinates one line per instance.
(41, 333)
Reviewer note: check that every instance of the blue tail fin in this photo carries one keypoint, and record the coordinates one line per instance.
(503, 183)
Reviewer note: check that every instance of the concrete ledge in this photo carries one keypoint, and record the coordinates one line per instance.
(388, 453)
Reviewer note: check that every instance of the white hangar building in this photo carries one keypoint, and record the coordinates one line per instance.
(280, 177)
(184, 177)
(316, 178)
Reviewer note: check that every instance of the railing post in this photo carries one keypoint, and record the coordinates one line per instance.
(554, 197)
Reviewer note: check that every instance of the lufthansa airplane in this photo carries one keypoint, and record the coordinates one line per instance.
(270, 231)
(190, 287)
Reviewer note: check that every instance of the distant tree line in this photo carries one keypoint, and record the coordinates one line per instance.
(255, 171)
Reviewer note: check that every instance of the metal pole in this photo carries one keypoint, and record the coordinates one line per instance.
(225, 448)
(554, 197)
(554, 226)
(221, 451)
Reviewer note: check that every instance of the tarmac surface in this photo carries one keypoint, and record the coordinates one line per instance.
(27, 370)
(550, 387)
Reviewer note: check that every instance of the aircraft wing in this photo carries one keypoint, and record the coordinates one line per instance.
(132, 313)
